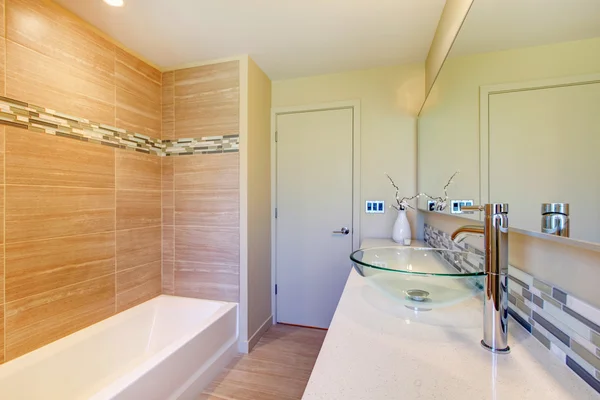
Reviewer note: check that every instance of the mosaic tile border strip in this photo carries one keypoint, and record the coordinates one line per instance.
(565, 325)
(44, 120)
(204, 145)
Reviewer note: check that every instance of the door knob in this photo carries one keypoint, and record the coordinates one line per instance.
(343, 231)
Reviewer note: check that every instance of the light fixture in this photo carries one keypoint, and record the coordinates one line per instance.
(114, 3)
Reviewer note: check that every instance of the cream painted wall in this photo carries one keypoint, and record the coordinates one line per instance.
(453, 15)
(255, 203)
(390, 99)
(449, 122)
(259, 200)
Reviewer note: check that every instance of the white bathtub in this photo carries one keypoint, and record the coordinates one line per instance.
(166, 348)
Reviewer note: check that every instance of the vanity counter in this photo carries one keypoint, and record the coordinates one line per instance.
(378, 349)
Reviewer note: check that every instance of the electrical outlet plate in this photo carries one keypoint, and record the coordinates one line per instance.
(456, 205)
(431, 205)
(375, 207)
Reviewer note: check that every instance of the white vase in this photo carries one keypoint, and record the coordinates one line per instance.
(401, 228)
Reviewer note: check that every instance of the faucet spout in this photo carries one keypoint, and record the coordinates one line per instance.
(463, 232)
(495, 301)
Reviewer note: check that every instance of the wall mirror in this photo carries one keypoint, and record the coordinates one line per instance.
(516, 109)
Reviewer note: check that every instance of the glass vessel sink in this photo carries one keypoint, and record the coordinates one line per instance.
(421, 278)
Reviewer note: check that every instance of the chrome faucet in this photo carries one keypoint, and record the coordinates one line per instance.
(495, 302)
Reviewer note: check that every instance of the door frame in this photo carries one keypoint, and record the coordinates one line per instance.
(353, 105)
(485, 91)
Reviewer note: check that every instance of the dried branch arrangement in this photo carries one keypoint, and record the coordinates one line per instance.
(440, 202)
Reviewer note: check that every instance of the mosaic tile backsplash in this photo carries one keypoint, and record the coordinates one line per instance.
(565, 325)
(45, 120)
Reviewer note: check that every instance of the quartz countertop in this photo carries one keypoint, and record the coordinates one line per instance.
(378, 349)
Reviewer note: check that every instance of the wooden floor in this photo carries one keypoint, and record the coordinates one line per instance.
(277, 369)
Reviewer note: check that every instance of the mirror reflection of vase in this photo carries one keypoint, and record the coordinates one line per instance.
(401, 229)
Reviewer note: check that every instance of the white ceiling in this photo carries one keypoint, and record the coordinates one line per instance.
(494, 25)
(287, 38)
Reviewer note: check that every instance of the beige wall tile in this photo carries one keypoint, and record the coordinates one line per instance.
(147, 71)
(207, 172)
(211, 245)
(138, 114)
(49, 30)
(42, 159)
(131, 80)
(2, 18)
(168, 200)
(2, 65)
(168, 251)
(212, 114)
(138, 209)
(41, 212)
(36, 267)
(139, 284)
(138, 171)
(1, 334)
(138, 246)
(168, 216)
(168, 105)
(41, 319)
(207, 100)
(168, 286)
(2, 280)
(193, 83)
(167, 173)
(206, 281)
(40, 80)
(207, 208)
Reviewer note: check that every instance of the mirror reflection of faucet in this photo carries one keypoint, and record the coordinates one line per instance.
(555, 219)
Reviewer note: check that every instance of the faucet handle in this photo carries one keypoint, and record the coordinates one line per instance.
(494, 208)
(472, 208)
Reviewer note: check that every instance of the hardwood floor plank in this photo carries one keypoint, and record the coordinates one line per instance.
(277, 369)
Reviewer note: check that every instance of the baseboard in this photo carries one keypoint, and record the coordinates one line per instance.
(247, 346)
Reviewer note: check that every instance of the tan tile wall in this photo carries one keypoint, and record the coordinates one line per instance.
(80, 234)
(200, 197)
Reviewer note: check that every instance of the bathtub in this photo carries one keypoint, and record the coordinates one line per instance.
(166, 348)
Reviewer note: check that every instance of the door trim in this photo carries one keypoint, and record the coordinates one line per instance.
(354, 105)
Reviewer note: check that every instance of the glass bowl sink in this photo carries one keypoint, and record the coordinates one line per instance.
(421, 278)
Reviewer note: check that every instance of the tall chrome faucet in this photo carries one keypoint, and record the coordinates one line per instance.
(495, 302)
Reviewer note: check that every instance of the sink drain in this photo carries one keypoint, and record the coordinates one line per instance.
(418, 295)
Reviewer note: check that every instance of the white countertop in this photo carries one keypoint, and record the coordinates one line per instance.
(378, 349)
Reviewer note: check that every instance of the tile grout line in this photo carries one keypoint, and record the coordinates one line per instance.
(162, 238)
(173, 191)
(115, 174)
(4, 203)
(82, 234)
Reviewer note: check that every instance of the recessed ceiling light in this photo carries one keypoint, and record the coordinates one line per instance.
(114, 3)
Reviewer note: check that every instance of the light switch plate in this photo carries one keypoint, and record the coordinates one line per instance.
(455, 206)
(375, 207)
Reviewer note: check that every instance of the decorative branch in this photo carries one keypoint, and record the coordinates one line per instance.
(440, 202)
(402, 203)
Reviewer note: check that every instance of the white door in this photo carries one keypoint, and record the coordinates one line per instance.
(314, 207)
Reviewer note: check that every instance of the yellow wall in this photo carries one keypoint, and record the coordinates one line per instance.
(453, 15)
(259, 200)
(390, 99)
